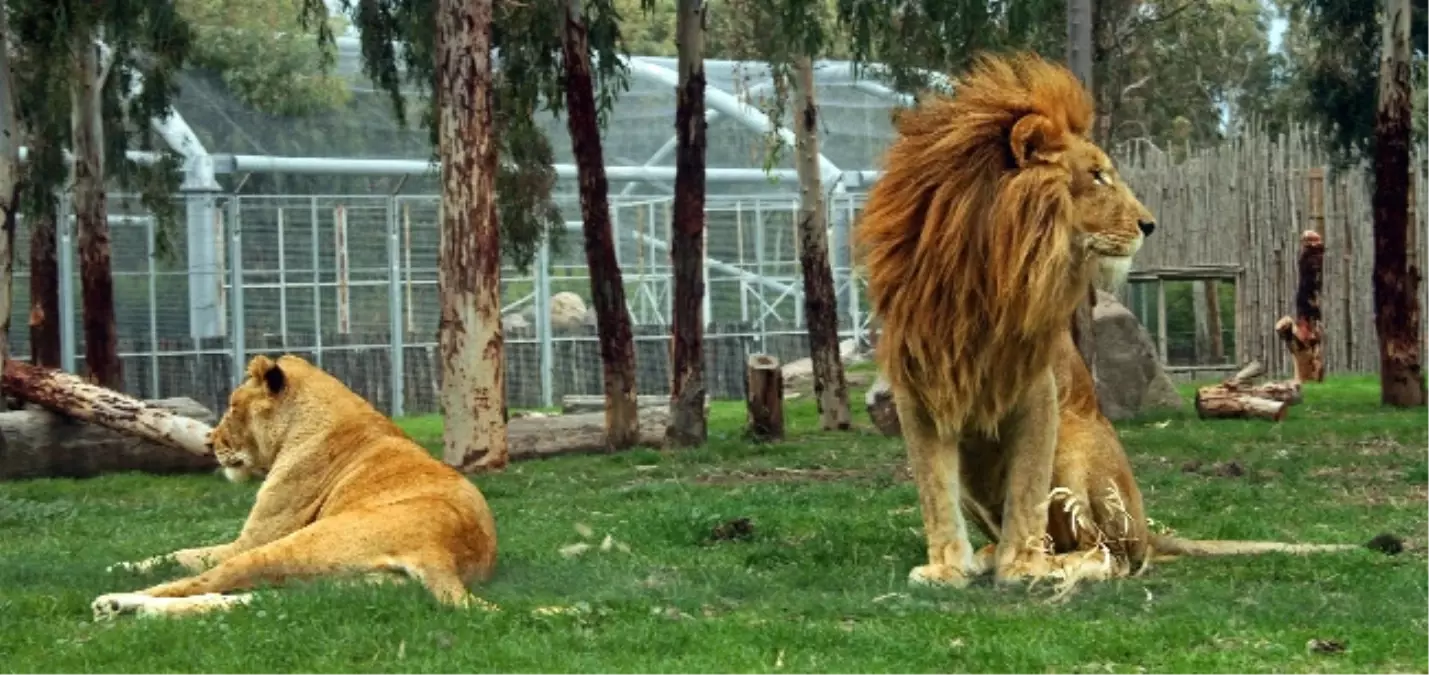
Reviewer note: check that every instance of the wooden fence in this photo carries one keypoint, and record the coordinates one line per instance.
(1245, 204)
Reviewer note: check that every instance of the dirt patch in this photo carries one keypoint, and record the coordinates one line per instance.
(739, 529)
(896, 473)
(1231, 469)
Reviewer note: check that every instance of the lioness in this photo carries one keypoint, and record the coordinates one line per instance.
(345, 492)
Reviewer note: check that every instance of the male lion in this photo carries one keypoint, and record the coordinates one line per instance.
(994, 213)
(345, 492)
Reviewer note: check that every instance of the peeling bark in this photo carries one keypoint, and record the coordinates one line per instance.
(607, 288)
(1396, 280)
(101, 334)
(688, 425)
(820, 306)
(470, 341)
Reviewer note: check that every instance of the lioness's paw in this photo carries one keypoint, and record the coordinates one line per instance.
(113, 605)
(140, 566)
(937, 575)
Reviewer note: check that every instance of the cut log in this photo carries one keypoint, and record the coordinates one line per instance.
(764, 398)
(881, 409)
(74, 397)
(574, 404)
(536, 437)
(43, 444)
(1304, 335)
(1219, 402)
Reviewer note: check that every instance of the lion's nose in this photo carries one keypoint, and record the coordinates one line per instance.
(1147, 227)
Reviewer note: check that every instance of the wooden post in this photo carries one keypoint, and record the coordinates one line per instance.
(1304, 335)
(764, 392)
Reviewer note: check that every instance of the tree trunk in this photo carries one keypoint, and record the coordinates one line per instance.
(74, 397)
(1213, 321)
(820, 306)
(764, 398)
(9, 185)
(101, 335)
(44, 282)
(607, 288)
(40, 443)
(469, 335)
(688, 425)
(1396, 282)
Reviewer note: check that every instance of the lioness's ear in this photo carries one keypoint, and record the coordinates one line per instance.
(1034, 140)
(266, 369)
(276, 379)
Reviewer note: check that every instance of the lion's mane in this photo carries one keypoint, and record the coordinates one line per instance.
(969, 257)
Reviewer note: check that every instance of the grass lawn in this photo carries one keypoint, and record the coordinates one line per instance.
(819, 583)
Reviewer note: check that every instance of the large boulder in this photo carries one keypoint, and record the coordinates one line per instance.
(1130, 377)
(567, 311)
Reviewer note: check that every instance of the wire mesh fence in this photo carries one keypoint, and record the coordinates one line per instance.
(350, 283)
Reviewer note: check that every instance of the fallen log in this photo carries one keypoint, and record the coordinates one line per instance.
(764, 397)
(1304, 335)
(881, 409)
(574, 404)
(75, 397)
(537, 437)
(1220, 403)
(1238, 397)
(44, 444)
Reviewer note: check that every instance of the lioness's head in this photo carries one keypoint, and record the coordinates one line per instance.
(246, 440)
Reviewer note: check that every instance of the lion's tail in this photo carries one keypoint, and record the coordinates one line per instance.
(1176, 546)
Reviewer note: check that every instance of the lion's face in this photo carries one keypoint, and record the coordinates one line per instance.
(1113, 222)
(243, 441)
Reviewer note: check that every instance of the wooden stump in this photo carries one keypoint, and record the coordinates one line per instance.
(1304, 335)
(764, 396)
(74, 397)
(881, 409)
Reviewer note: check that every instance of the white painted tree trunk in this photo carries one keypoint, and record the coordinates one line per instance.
(469, 337)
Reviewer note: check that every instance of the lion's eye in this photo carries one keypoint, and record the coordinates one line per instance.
(1100, 176)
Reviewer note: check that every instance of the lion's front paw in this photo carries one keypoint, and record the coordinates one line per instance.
(140, 566)
(1026, 568)
(113, 605)
(937, 575)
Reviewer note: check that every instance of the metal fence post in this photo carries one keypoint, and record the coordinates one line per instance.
(394, 305)
(759, 289)
(235, 257)
(854, 309)
(543, 321)
(153, 311)
(317, 283)
(68, 345)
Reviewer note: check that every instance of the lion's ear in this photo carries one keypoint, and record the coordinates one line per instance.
(276, 380)
(267, 370)
(1034, 140)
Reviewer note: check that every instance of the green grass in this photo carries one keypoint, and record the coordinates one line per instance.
(820, 585)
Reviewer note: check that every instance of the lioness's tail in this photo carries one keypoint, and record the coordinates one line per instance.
(1176, 546)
